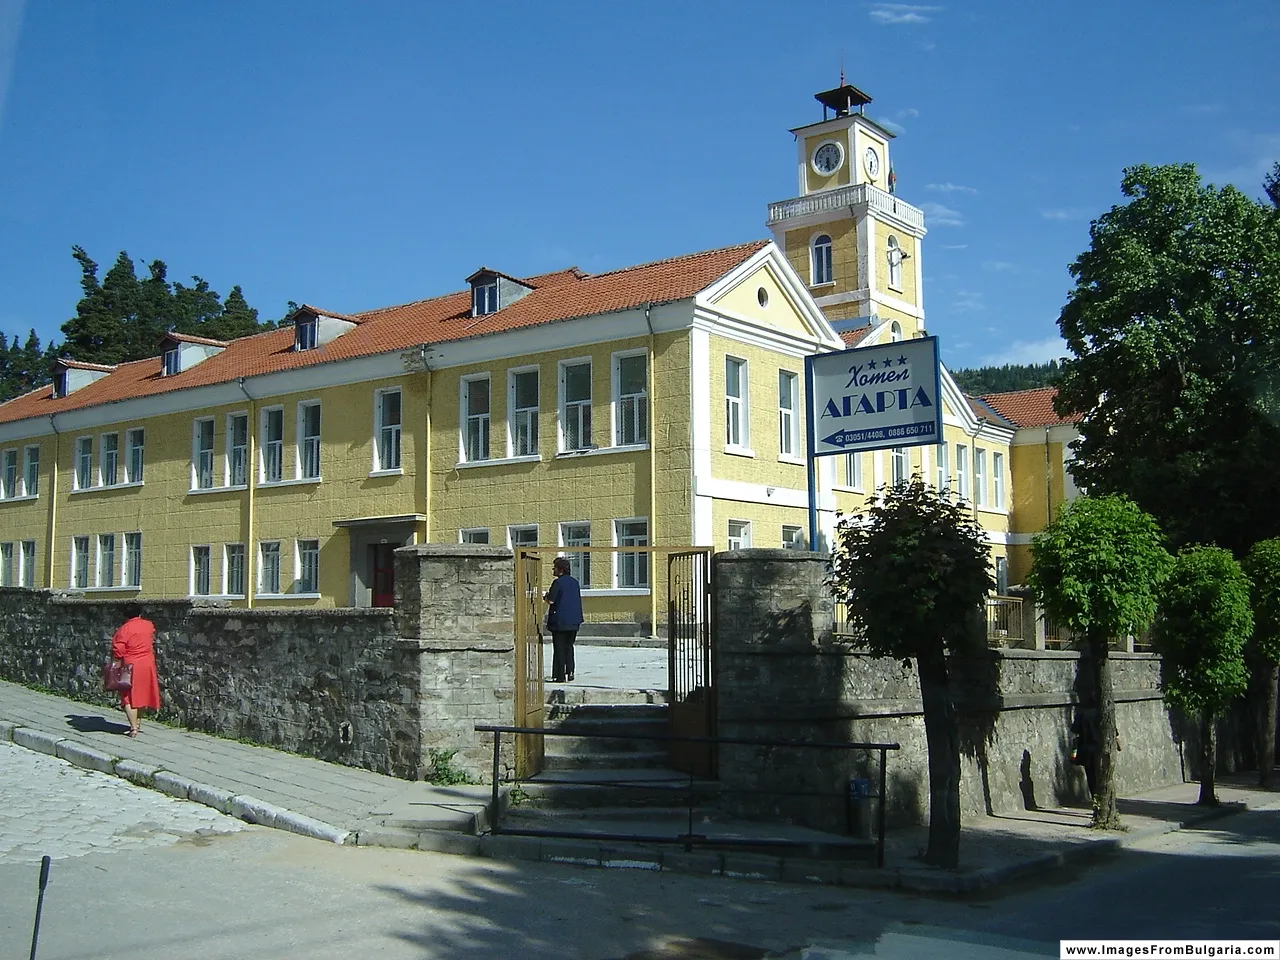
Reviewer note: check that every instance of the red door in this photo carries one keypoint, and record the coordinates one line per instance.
(384, 575)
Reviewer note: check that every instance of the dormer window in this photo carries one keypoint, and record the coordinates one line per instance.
(484, 298)
(60, 384)
(304, 335)
(171, 362)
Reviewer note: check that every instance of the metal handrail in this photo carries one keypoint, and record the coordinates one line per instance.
(689, 838)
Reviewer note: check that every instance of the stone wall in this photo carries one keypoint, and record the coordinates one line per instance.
(782, 675)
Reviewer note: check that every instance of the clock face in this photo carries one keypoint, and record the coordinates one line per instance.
(827, 158)
(871, 160)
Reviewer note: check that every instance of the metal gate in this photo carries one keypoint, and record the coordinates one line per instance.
(690, 668)
(529, 696)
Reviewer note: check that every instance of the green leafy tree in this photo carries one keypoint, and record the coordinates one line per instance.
(1272, 184)
(1262, 566)
(1204, 623)
(1095, 570)
(913, 568)
(1174, 323)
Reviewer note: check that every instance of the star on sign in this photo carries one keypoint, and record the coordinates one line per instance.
(902, 361)
(871, 365)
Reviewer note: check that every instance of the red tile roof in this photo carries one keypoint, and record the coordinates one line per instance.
(81, 365)
(189, 338)
(1029, 408)
(852, 338)
(559, 295)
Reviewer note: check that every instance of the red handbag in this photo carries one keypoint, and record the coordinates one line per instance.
(117, 675)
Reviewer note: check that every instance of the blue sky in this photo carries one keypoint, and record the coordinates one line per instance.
(359, 155)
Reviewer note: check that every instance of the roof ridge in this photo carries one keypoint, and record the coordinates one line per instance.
(1009, 393)
(758, 244)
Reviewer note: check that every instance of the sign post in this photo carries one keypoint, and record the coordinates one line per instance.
(870, 398)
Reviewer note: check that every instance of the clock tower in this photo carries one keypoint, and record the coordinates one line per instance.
(847, 234)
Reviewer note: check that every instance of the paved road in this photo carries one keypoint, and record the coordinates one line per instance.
(129, 885)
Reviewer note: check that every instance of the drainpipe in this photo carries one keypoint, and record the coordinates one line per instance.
(251, 482)
(422, 354)
(1048, 492)
(653, 476)
(53, 501)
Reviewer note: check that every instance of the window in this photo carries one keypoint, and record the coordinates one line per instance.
(309, 441)
(853, 470)
(27, 571)
(980, 476)
(997, 481)
(269, 567)
(475, 535)
(272, 445)
(577, 535)
(388, 426)
(524, 535)
(84, 463)
(31, 471)
(109, 459)
(475, 408)
(1002, 577)
(633, 568)
(896, 256)
(201, 571)
(575, 406)
(895, 332)
(202, 455)
(80, 562)
(237, 449)
(60, 383)
(522, 426)
(735, 402)
(788, 421)
(899, 465)
(105, 560)
(6, 565)
(739, 534)
(962, 471)
(9, 481)
(233, 572)
(304, 335)
(792, 537)
(944, 468)
(308, 566)
(133, 447)
(631, 399)
(171, 362)
(820, 261)
(133, 559)
(484, 298)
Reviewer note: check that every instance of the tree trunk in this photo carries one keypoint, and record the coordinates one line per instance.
(1209, 743)
(1105, 814)
(943, 739)
(1267, 740)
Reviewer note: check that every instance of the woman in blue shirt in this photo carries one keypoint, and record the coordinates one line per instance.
(563, 619)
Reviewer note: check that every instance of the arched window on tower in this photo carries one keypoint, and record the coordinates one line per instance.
(895, 332)
(820, 260)
(895, 263)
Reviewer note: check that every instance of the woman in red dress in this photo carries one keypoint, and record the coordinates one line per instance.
(134, 643)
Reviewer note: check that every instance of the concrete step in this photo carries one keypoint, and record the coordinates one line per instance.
(608, 725)
(534, 815)
(625, 710)
(602, 759)
(574, 693)
(625, 787)
(571, 746)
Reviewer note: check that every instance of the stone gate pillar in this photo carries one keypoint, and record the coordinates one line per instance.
(455, 608)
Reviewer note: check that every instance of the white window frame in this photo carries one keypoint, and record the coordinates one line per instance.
(579, 560)
(135, 439)
(389, 433)
(80, 563)
(263, 549)
(980, 476)
(193, 586)
(638, 414)
(227, 579)
(514, 528)
(962, 471)
(997, 481)
(943, 455)
(27, 564)
(198, 453)
(172, 362)
(11, 478)
(851, 468)
(899, 465)
(309, 447)
(484, 298)
(738, 535)
(737, 413)
(229, 478)
(104, 567)
(578, 411)
(266, 446)
(483, 422)
(522, 422)
(792, 537)
(82, 475)
(301, 548)
(468, 535)
(623, 560)
(31, 470)
(895, 332)
(131, 560)
(788, 416)
(108, 470)
(895, 256)
(306, 334)
(8, 565)
(821, 263)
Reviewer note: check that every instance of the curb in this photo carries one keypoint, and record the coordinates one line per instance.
(142, 774)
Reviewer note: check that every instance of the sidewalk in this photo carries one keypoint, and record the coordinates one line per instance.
(347, 805)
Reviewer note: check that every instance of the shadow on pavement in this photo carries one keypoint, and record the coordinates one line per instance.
(91, 724)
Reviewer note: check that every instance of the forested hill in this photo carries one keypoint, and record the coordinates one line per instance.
(978, 381)
(122, 318)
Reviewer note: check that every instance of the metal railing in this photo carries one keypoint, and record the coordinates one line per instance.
(1004, 621)
(689, 838)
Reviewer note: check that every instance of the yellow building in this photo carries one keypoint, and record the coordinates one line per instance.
(662, 404)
